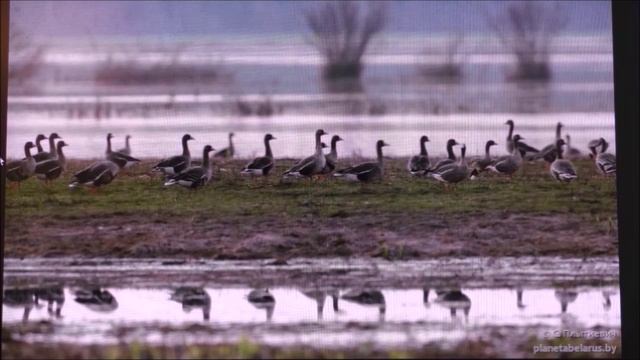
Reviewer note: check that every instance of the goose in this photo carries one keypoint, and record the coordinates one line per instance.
(451, 159)
(51, 154)
(332, 156)
(228, 151)
(365, 172)
(196, 176)
(39, 139)
(20, 170)
(261, 166)
(51, 294)
(572, 153)
(593, 145)
(52, 169)
(453, 173)
(176, 164)
(122, 160)
(127, 147)
(524, 148)
(311, 165)
(605, 162)
(549, 152)
(319, 296)
(19, 298)
(98, 174)
(418, 164)
(562, 169)
(508, 164)
(480, 165)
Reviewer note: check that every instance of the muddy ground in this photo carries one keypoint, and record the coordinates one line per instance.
(252, 237)
(234, 218)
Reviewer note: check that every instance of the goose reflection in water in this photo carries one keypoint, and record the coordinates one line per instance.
(192, 298)
(263, 299)
(320, 297)
(565, 297)
(96, 299)
(519, 303)
(368, 297)
(53, 294)
(454, 300)
(18, 298)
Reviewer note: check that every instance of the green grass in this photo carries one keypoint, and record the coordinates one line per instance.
(137, 191)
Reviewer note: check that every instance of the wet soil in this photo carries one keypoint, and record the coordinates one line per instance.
(391, 236)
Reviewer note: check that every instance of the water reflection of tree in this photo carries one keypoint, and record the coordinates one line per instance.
(342, 32)
(528, 29)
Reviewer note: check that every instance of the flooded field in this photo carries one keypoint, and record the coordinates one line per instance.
(317, 303)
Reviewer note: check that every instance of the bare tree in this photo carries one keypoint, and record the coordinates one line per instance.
(25, 58)
(528, 29)
(342, 32)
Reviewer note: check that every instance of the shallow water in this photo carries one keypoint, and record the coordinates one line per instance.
(330, 302)
(160, 136)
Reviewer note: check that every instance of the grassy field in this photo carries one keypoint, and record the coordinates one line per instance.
(232, 208)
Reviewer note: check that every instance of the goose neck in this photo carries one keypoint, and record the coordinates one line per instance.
(423, 148)
(487, 149)
(205, 159)
(267, 148)
(379, 153)
(108, 144)
(452, 156)
(52, 145)
(510, 135)
(558, 131)
(27, 151)
(185, 147)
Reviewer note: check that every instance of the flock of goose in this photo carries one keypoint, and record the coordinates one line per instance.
(181, 170)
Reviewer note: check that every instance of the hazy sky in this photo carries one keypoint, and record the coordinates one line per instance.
(106, 18)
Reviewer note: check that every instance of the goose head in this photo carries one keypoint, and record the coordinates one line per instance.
(187, 137)
(29, 145)
(491, 143)
(323, 145)
(62, 144)
(269, 137)
(452, 142)
(509, 122)
(517, 138)
(110, 136)
(335, 139)
(40, 137)
(381, 143)
(127, 137)
(54, 136)
(319, 133)
(231, 134)
(207, 149)
(424, 139)
(604, 144)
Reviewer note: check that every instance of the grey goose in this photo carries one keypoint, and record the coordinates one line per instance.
(39, 139)
(368, 297)
(122, 160)
(480, 165)
(419, 164)
(261, 166)
(196, 176)
(549, 152)
(127, 146)
(451, 157)
(365, 172)
(454, 300)
(52, 169)
(51, 154)
(508, 164)
(332, 156)
(227, 152)
(572, 153)
(176, 164)
(453, 173)
(525, 149)
(20, 170)
(311, 165)
(605, 162)
(98, 174)
(562, 169)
